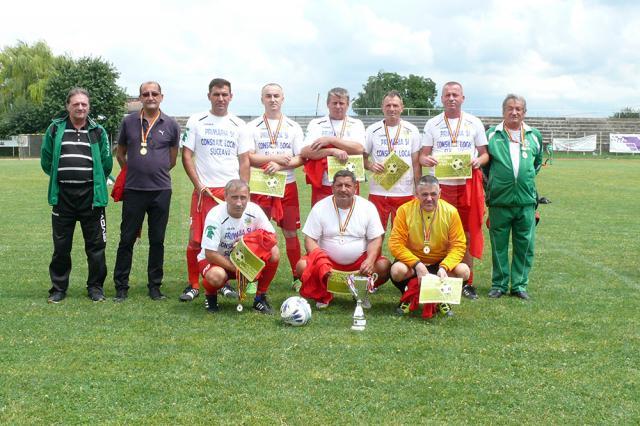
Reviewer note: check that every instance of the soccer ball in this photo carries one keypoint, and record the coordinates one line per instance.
(272, 182)
(295, 311)
(457, 164)
(239, 256)
(393, 168)
(351, 167)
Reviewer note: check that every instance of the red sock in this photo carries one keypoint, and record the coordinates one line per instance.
(293, 252)
(266, 277)
(470, 280)
(192, 266)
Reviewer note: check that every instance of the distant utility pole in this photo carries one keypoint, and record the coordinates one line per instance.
(317, 103)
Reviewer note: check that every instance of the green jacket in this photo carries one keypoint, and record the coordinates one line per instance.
(100, 153)
(503, 189)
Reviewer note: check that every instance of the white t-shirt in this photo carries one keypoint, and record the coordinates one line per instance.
(471, 135)
(378, 149)
(514, 150)
(325, 126)
(323, 226)
(222, 230)
(215, 142)
(290, 139)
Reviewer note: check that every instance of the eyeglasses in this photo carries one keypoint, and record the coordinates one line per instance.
(150, 94)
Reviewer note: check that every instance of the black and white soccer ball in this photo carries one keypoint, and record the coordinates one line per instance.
(239, 256)
(295, 311)
(457, 164)
(272, 182)
(351, 167)
(392, 168)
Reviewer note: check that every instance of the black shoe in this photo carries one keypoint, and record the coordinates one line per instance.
(261, 304)
(155, 294)
(469, 292)
(121, 295)
(189, 294)
(402, 309)
(96, 294)
(544, 200)
(521, 295)
(495, 293)
(445, 309)
(56, 297)
(211, 304)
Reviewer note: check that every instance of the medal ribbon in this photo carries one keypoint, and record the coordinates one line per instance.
(344, 127)
(341, 226)
(523, 141)
(392, 145)
(272, 137)
(144, 135)
(427, 231)
(453, 136)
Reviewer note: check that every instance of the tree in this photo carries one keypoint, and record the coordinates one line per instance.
(99, 78)
(627, 113)
(24, 71)
(417, 92)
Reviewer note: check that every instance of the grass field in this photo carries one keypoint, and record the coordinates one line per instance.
(569, 356)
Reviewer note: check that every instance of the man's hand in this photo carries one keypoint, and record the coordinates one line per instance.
(272, 167)
(421, 270)
(476, 163)
(376, 167)
(320, 143)
(442, 274)
(366, 267)
(203, 190)
(282, 159)
(429, 161)
(340, 154)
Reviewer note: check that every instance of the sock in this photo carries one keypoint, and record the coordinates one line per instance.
(192, 266)
(470, 280)
(293, 252)
(266, 277)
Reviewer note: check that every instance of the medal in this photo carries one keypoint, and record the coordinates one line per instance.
(426, 250)
(273, 137)
(391, 144)
(524, 155)
(453, 136)
(143, 151)
(145, 135)
(426, 230)
(342, 227)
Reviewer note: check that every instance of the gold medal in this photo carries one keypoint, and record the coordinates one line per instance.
(524, 154)
(426, 250)
(143, 151)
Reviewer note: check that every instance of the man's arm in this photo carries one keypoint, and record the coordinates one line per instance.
(417, 168)
(482, 159)
(245, 164)
(373, 251)
(105, 154)
(121, 155)
(217, 259)
(426, 159)
(173, 156)
(310, 244)
(46, 151)
(190, 168)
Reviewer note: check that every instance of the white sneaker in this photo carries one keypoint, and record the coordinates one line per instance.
(189, 294)
(320, 305)
(228, 291)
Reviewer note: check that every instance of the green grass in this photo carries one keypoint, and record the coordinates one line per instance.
(568, 356)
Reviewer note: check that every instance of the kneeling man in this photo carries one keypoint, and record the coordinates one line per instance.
(342, 232)
(427, 238)
(225, 224)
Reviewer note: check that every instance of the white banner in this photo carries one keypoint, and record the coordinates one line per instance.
(15, 142)
(624, 143)
(584, 144)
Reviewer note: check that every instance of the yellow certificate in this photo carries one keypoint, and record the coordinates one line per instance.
(354, 164)
(394, 169)
(246, 261)
(264, 184)
(453, 166)
(432, 290)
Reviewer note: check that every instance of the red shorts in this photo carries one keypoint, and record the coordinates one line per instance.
(204, 266)
(456, 195)
(324, 192)
(387, 206)
(200, 206)
(290, 206)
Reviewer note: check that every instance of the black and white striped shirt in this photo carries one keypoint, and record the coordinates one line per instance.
(76, 163)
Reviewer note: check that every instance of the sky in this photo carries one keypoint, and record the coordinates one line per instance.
(570, 58)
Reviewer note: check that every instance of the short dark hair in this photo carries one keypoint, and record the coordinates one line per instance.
(451, 83)
(428, 180)
(150, 82)
(219, 82)
(77, 91)
(344, 173)
(338, 92)
(392, 94)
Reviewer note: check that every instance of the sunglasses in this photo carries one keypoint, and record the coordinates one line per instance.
(150, 94)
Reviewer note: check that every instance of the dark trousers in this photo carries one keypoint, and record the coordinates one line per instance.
(155, 204)
(74, 205)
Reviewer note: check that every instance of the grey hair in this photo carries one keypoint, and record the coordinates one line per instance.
(344, 173)
(338, 92)
(235, 184)
(77, 91)
(513, 97)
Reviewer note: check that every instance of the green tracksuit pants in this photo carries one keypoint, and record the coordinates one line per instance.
(520, 222)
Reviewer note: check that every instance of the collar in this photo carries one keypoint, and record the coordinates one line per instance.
(500, 127)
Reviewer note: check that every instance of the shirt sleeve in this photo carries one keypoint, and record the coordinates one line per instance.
(211, 233)
(246, 142)
(415, 140)
(427, 136)
(457, 243)
(374, 227)
(399, 238)
(263, 220)
(313, 133)
(298, 140)
(312, 227)
(122, 136)
(481, 137)
(190, 134)
(358, 134)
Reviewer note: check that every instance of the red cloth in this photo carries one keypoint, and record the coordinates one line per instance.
(314, 169)
(118, 186)
(260, 242)
(315, 276)
(412, 295)
(475, 193)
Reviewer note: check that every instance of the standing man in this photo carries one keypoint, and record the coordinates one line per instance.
(342, 232)
(426, 238)
(275, 142)
(213, 138)
(147, 147)
(76, 156)
(516, 158)
(335, 135)
(451, 132)
(383, 138)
